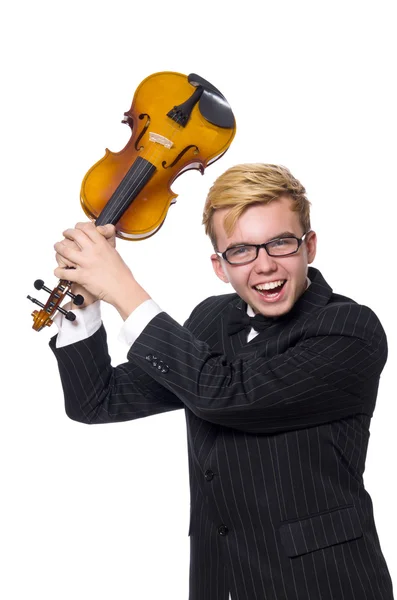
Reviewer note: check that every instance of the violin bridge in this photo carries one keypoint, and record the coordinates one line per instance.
(160, 139)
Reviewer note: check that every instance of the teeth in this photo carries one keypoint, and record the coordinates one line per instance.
(271, 285)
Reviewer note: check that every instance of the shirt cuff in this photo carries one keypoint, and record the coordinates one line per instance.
(88, 321)
(137, 321)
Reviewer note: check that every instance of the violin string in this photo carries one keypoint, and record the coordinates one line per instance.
(143, 170)
(140, 174)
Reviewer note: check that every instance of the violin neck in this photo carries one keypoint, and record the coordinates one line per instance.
(135, 180)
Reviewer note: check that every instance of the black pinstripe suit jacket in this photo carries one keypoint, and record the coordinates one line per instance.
(277, 436)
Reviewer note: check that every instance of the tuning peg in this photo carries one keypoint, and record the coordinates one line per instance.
(35, 301)
(78, 299)
(38, 284)
(68, 314)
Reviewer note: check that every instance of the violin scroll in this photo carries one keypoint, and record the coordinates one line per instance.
(43, 318)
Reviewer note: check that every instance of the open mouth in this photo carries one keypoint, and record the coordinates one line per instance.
(271, 291)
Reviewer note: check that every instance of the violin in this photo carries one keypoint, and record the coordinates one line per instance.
(177, 123)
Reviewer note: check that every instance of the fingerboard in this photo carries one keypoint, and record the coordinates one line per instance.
(134, 181)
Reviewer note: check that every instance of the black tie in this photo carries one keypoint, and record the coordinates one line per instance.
(238, 320)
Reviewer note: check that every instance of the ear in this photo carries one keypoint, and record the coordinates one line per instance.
(217, 265)
(311, 246)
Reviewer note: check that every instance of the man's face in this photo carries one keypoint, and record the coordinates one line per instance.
(259, 224)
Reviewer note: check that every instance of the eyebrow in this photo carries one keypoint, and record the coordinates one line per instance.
(274, 237)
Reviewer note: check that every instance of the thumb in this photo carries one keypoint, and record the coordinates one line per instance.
(107, 230)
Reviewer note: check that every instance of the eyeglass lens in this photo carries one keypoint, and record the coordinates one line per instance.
(280, 247)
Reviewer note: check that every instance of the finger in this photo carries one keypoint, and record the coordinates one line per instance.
(109, 233)
(63, 262)
(90, 230)
(97, 234)
(69, 253)
(72, 275)
(70, 243)
(78, 236)
(107, 230)
(67, 244)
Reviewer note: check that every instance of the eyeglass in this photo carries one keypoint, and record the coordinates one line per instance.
(246, 253)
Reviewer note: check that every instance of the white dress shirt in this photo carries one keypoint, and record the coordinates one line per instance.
(88, 321)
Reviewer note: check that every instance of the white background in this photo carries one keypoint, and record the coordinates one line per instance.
(102, 512)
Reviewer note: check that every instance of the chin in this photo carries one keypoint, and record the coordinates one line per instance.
(271, 309)
(275, 311)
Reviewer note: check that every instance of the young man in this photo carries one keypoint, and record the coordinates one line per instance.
(278, 406)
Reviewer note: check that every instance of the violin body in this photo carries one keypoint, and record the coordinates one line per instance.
(177, 123)
(164, 147)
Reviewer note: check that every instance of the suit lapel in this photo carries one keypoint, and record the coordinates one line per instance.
(232, 343)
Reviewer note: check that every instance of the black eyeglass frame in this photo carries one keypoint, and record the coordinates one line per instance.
(265, 246)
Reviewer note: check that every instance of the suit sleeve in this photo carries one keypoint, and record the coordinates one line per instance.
(97, 392)
(332, 372)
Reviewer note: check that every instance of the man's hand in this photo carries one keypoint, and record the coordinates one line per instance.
(98, 268)
(109, 233)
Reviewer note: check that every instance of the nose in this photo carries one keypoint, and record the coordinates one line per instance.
(264, 262)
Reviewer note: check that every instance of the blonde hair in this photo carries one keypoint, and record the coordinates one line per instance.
(243, 185)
